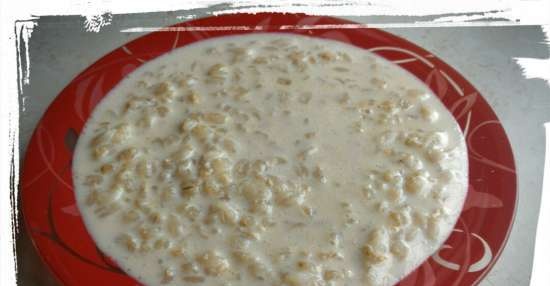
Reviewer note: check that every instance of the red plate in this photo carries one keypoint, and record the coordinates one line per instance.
(54, 222)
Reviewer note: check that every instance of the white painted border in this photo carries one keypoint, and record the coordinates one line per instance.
(541, 262)
(532, 12)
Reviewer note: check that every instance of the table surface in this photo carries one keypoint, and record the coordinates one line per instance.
(60, 49)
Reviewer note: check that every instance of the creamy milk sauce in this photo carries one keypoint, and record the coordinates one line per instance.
(270, 159)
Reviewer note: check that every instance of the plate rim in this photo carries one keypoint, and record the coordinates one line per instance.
(59, 278)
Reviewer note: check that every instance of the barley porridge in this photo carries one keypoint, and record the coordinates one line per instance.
(270, 159)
